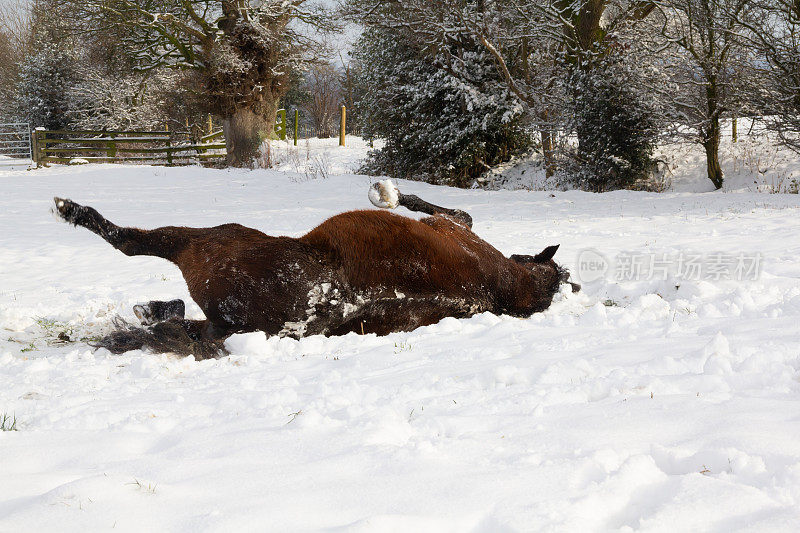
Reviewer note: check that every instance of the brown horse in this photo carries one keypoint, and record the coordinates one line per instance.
(360, 271)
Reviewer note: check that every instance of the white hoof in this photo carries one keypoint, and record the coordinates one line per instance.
(384, 194)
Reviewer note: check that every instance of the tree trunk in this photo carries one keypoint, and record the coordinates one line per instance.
(711, 144)
(245, 130)
(548, 150)
(713, 134)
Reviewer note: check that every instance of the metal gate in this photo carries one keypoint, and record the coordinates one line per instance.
(15, 143)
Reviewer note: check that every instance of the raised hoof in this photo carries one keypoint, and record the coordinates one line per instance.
(157, 311)
(65, 209)
(384, 194)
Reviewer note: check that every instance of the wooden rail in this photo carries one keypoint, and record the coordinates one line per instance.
(155, 147)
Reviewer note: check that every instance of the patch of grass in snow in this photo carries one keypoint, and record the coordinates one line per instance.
(8, 423)
(149, 487)
(56, 333)
(402, 346)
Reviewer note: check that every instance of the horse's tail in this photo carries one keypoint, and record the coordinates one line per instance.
(165, 337)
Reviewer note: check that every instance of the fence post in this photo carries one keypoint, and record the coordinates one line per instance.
(210, 125)
(111, 150)
(734, 130)
(341, 126)
(35, 146)
(296, 119)
(40, 134)
(169, 150)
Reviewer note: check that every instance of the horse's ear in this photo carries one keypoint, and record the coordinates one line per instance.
(546, 254)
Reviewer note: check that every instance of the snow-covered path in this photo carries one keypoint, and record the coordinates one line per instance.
(632, 405)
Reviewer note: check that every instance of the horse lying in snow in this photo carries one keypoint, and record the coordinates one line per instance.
(360, 271)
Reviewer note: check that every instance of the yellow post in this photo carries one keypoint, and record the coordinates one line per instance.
(734, 131)
(341, 126)
(210, 125)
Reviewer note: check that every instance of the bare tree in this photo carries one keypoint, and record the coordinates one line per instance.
(323, 84)
(708, 59)
(15, 33)
(773, 27)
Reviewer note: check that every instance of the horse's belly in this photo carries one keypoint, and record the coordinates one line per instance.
(262, 297)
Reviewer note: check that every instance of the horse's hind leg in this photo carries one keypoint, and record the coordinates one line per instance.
(164, 242)
(156, 311)
(385, 194)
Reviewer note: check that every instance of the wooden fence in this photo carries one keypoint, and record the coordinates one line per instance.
(155, 147)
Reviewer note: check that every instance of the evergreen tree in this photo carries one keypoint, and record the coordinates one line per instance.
(441, 122)
(42, 93)
(616, 126)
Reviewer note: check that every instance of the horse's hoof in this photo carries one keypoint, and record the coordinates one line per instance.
(65, 209)
(156, 311)
(384, 194)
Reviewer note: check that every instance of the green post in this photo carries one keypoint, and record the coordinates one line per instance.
(342, 126)
(280, 127)
(296, 119)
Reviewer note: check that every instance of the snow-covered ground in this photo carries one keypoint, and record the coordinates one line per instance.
(637, 404)
(13, 163)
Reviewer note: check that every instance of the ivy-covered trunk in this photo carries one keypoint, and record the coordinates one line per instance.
(245, 129)
(246, 75)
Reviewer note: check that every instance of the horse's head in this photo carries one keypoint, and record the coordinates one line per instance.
(542, 264)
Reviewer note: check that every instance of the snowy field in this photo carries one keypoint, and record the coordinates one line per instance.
(658, 403)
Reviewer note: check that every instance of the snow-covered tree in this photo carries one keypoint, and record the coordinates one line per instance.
(243, 51)
(121, 101)
(442, 121)
(616, 124)
(42, 92)
(535, 46)
(46, 67)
